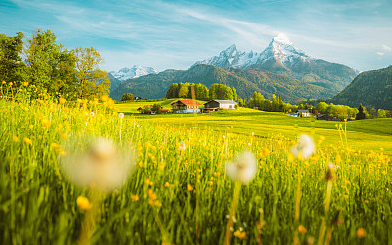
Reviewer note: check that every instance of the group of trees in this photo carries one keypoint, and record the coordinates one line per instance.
(201, 92)
(336, 111)
(50, 67)
(275, 104)
(127, 97)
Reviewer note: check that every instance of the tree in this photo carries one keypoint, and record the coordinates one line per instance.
(183, 90)
(11, 65)
(50, 66)
(156, 108)
(93, 82)
(381, 113)
(172, 92)
(41, 54)
(361, 113)
(127, 97)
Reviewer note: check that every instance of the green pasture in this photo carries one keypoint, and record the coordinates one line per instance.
(365, 135)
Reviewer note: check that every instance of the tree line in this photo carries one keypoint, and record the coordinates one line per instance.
(201, 92)
(276, 104)
(50, 67)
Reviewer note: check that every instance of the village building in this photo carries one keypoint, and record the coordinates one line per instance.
(215, 105)
(186, 106)
(303, 113)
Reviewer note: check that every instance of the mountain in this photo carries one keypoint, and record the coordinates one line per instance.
(246, 81)
(114, 82)
(133, 72)
(128, 73)
(371, 88)
(282, 57)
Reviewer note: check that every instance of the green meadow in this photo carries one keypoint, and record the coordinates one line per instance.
(180, 190)
(365, 135)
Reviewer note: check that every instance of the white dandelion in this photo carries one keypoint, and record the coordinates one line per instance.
(305, 145)
(121, 115)
(92, 114)
(182, 146)
(97, 162)
(243, 168)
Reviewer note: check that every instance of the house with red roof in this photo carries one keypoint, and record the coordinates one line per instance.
(185, 106)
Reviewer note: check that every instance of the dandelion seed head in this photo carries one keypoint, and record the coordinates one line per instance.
(305, 146)
(96, 162)
(243, 168)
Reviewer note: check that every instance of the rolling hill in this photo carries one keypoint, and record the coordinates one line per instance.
(246, 81)
(371, 88)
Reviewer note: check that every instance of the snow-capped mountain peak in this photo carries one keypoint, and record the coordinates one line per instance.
(280, 50)
(133, 72)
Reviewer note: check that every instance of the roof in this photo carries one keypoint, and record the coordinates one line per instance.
(224, 101)
(303, 111)
(187, 102)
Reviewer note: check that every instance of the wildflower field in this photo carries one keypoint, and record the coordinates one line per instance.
(181, 183)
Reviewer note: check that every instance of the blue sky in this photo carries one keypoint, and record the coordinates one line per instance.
(175, 34)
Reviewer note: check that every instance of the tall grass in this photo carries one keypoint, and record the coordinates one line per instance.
(177, 194)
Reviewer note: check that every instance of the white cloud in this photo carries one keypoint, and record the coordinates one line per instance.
(385, 47)
(380, 53)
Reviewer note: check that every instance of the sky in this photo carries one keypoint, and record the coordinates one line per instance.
(176, 34)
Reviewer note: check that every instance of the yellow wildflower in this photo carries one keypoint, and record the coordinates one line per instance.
(240, 234)
(15, 138)
(46, 123)
(302, 229)
(148, 182)
(27, 140)
(62, 100)
(361, 232)
(135, 197)
(83, 203)
(104, 97)
(25, 84)
(190, 188)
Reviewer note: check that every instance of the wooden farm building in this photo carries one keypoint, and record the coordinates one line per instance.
(186, 106)
(215, 105)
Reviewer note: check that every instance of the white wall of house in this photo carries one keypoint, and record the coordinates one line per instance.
(227, 106)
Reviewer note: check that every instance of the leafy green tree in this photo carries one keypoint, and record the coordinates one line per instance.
(361, 113)
(201, 92)
(11, 65)
(156, 108)
(183, 90)
(127, 97)
(172, 92)
(93, 82)
(50, 66)
(41, 58)
(381, 113)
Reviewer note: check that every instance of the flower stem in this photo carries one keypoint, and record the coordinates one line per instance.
(234, 203)
(89, 221)
(326, 207)
(297, 206)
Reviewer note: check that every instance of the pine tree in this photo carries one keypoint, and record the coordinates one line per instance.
(361, 113)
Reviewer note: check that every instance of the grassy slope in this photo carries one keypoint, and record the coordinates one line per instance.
(361, 135)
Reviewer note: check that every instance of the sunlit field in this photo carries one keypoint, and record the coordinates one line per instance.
(179, 190)
(362, 135)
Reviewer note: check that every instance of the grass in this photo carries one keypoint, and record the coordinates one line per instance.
(179, 192)
(362, 135)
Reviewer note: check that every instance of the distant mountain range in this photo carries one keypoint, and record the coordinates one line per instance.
(371, 88)
(281, 68)
(128, 73)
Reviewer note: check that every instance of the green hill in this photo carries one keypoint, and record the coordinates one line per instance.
(246, 81)
(371, 88)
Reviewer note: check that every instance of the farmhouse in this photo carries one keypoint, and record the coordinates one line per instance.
(215, 105)
(303, 113)
(185, 106)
